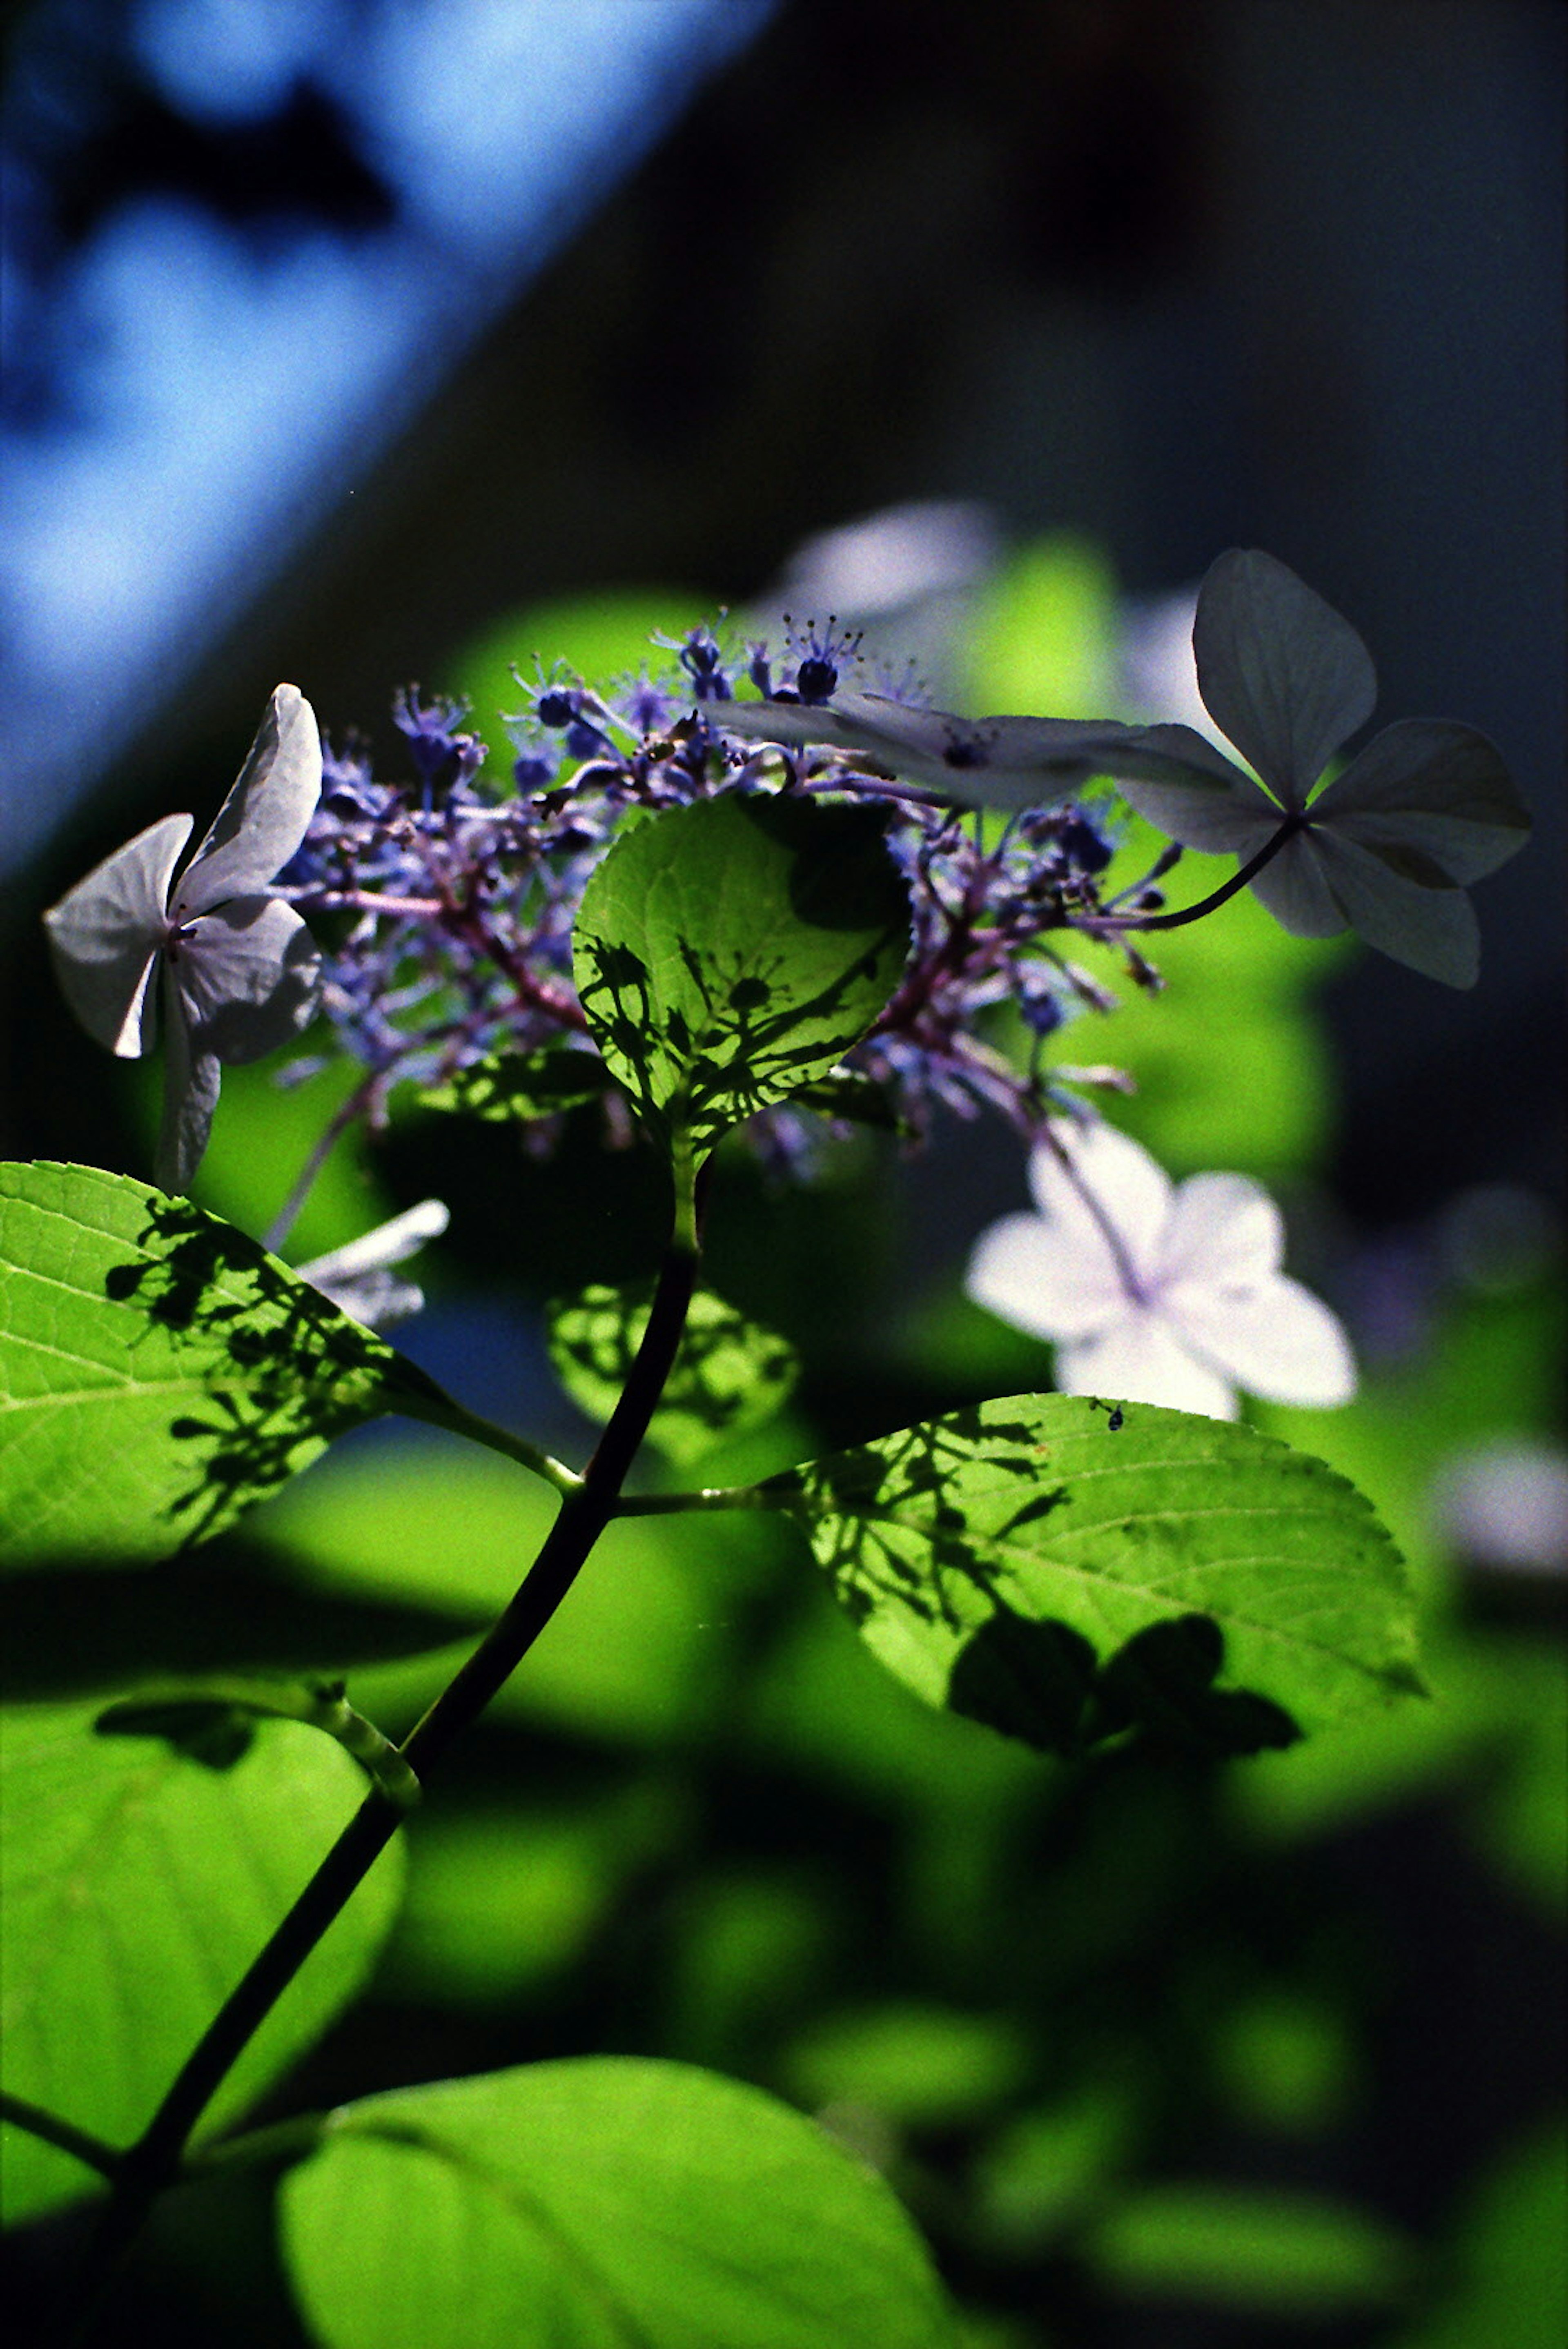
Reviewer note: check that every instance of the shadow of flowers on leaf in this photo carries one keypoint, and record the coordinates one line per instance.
(281, 1369)
(1042, 1682)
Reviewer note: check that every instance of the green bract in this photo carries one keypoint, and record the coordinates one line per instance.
(1065, 1570)
(595, 2204)
(727, 954)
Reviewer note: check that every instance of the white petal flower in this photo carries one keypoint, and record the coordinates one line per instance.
(1388, 848)
(1157, 1293)
(358, 1278)
(237, 967)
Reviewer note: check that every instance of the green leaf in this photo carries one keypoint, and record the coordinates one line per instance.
(1065, 1572)
(730, 953)
(139, 1880)
(512, 1088)
(728, 1375)
(159, 1372)
(595, 2204)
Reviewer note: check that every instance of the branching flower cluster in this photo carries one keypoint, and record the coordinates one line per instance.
(433, 922)
(453, 895)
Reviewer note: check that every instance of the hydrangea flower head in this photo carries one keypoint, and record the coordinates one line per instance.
(1388, 847)
(235, 968)
(1155, 1293)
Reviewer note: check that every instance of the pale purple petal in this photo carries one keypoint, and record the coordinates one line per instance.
(1432, 930)
(1223, 1230)
(191, 1079)
(1276, 1340)
(104, 933)
(1437, 791)
(247, 977)
(262, 821)
(1006, 762)
(1295, 889)
(1125, 1190)
(1285, 679)
(1142, 1360)
(1221, 812)
(1052, 1280)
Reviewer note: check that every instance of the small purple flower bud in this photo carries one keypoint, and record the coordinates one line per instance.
(585, 740)
(531, 772)
(1084, 842)
(555, 707)
(701, 657)
(1039, 1007)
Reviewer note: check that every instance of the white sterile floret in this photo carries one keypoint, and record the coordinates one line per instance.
(1155, 1293)
(358, 1278)
(239, 968)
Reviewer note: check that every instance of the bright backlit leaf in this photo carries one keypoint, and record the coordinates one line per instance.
(730, 953)
(728, 1375)
(1065, 1570)
(141, 1879)
(598, 2203)
(515, 1088)
(159, 1372)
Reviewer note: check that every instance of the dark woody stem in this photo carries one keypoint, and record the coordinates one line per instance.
(143, 2171)
(1115, 923)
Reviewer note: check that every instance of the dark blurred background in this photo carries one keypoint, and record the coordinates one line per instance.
(347, 341)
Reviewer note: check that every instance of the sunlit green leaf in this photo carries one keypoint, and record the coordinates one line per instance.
(141, 1879)
(728, 953)
(728, 1375)
(594, 2204)
(1065, 1571)
(159, 1372)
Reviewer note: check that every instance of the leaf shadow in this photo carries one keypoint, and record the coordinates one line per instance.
(1043, 1683)
(281, 1367)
